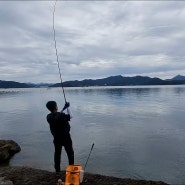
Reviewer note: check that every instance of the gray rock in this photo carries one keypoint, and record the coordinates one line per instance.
(5, 182)
(7, 149)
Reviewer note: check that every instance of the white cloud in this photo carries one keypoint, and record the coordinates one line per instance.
(94, 39)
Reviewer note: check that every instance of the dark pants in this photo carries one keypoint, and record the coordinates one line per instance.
(67, 144)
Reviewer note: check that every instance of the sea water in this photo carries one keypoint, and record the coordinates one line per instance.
(138, 132)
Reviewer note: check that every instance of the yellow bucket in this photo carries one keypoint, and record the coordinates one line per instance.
(73, 174)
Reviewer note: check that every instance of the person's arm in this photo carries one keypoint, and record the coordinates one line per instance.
(68, 115)
(65, 117)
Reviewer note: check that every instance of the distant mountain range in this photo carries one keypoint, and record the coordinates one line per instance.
(109, 81)
(12, 84)
(178, 77)
(123, 81)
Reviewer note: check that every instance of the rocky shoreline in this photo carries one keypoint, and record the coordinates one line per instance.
(7, 149)
(30, 176)
(10, 175)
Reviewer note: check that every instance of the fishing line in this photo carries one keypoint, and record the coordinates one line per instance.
(56, 51)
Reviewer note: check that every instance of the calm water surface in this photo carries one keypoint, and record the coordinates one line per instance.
(138, 132)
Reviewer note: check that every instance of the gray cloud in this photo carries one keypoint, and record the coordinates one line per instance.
(94, 39)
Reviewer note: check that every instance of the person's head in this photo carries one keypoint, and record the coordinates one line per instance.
(52, 106)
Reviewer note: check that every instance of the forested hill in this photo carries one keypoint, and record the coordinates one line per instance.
(12, 84)
(121, 81)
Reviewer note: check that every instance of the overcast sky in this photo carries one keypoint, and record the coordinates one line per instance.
(95, 39)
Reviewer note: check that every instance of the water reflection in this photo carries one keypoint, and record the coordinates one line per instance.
(8, 93)
(116, 91)
(179, 90)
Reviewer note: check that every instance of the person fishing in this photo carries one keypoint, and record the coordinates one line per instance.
(60, 129)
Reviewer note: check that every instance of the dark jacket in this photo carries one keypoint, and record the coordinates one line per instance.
(59, 125)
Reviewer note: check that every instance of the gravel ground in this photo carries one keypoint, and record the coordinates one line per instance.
(30, 176)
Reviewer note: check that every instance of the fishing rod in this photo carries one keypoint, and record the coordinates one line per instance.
(56, 51)
(88, 156)
(82, 171)
(57, 57)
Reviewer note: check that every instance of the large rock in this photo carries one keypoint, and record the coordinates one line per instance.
(7, 149)
(5, 182)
